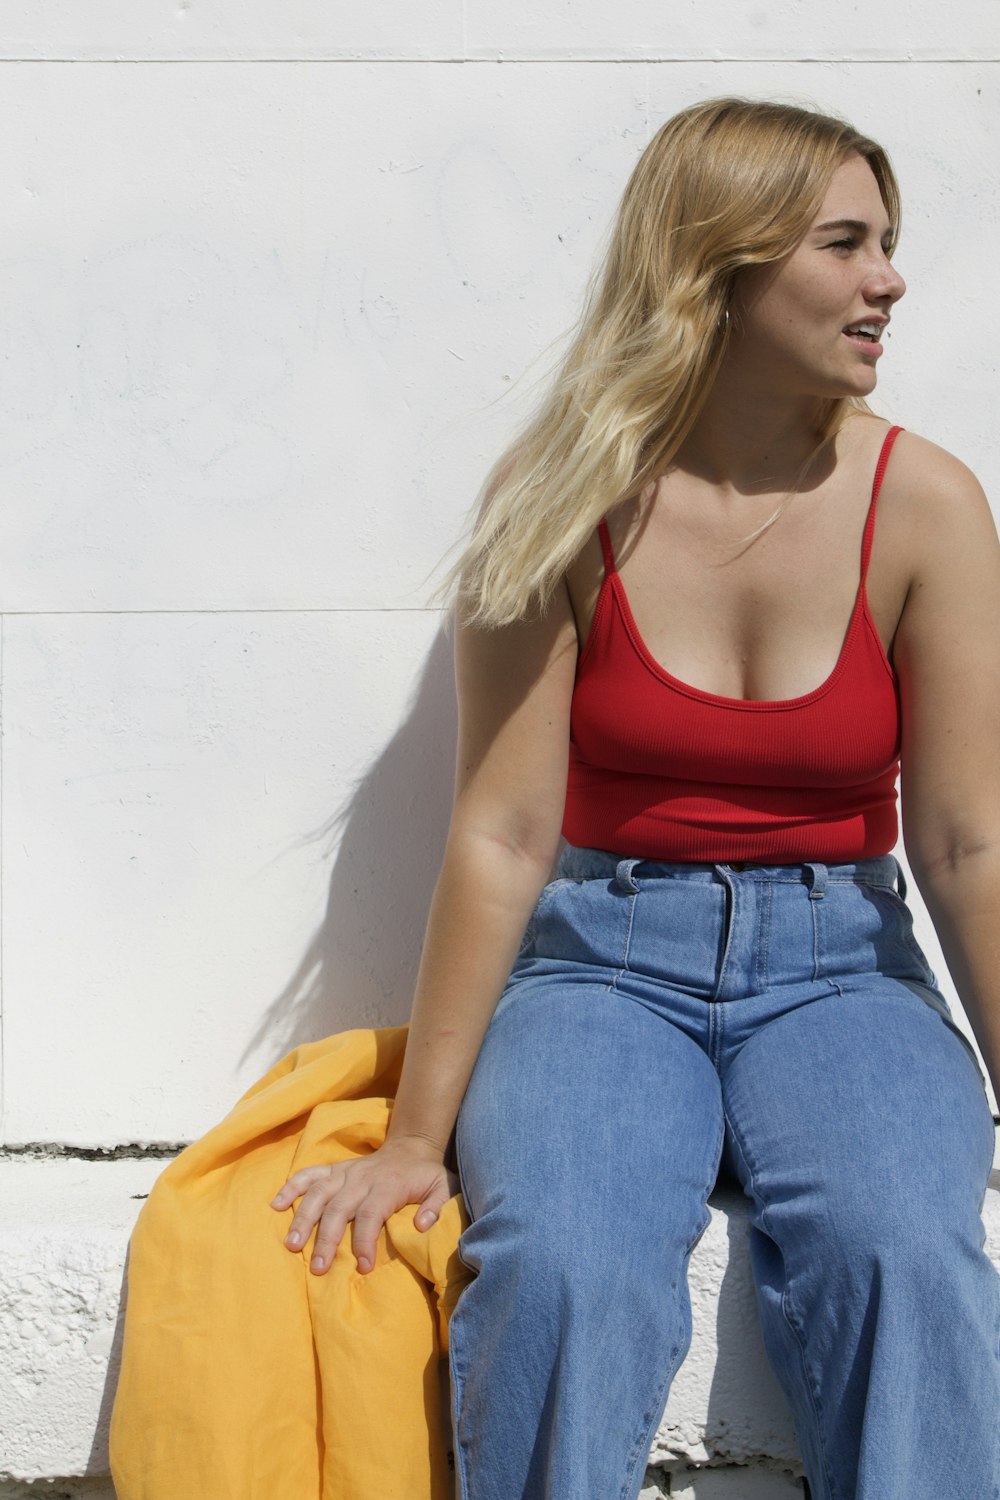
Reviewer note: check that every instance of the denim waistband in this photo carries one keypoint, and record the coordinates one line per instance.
(882, 870)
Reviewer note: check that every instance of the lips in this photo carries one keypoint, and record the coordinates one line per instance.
(866, 328)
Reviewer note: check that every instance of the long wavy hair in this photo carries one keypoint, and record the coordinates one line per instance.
(724, 185)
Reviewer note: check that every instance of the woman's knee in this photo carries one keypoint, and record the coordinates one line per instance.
(565, 1242)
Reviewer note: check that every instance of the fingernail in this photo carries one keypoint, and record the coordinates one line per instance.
(427, 1219)
(318, 1263)
(294, 1238)
(364, 1264)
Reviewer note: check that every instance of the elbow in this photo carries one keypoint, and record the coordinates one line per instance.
(529, 842)
(942, 862)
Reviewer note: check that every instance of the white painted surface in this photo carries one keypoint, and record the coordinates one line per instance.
(221, 835)
(64, 1227)
(257, 375)
(725, 29)
(252, 318)
(469, 29)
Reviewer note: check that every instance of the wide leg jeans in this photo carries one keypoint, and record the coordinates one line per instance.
(661, 1021)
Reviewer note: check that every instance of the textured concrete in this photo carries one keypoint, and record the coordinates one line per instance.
(58, 1489)
(732, 1482)
(64, 1228)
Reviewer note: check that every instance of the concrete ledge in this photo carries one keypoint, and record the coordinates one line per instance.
(64, 1230)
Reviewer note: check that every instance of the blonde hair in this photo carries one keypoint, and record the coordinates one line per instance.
(724, 185)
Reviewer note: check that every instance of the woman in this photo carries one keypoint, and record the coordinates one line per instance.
(668, 652)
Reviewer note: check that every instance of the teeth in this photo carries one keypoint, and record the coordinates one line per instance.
(871, 328)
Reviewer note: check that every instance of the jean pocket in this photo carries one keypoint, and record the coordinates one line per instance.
(899, 938)
(932, 996)
(545, 899)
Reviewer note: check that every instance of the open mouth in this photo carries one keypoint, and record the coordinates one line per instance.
(864, 333)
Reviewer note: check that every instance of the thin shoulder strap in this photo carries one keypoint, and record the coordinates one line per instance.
(606, 548)
(883, 459)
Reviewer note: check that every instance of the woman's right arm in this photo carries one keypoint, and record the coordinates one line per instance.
(515, 687)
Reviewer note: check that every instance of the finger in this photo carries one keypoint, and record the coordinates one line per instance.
(328, 1237)
(367, 1227)
(298, 1183)
(430, 1209)
(331, 1231)
(315, 1203)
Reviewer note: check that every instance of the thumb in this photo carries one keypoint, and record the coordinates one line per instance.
(430, 1208)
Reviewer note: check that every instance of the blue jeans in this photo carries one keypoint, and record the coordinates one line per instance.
(661, 1021)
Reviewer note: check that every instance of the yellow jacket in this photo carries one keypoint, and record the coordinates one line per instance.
(246, 1377)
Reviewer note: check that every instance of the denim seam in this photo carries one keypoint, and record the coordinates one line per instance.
(457, 1386)
(786, 1312)
(624, 968)
(809, 1385)
(763, 938)
(654, 1413)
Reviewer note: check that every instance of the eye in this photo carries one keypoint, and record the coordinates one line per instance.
(848, 244)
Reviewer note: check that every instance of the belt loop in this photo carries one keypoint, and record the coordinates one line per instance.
(901, 886)
(816, 880)
(623, 874)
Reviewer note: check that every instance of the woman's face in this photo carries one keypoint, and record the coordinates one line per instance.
(791, 318)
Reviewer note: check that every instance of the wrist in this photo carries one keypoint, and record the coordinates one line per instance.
(416, 1142)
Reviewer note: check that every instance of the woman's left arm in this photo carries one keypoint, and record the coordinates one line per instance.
(947, 657)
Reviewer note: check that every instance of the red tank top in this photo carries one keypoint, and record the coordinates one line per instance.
(665, 771)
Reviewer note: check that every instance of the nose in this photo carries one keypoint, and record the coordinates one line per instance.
(885, 281)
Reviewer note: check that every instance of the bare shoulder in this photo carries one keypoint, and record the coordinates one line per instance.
(936, 497)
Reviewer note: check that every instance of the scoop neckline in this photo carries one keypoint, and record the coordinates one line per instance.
(859, 615)
(721, 700)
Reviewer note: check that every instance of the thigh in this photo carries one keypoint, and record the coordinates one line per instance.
(864, 1102)
(593, 1108)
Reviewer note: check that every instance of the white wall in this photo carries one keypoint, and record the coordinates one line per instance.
(269, 278)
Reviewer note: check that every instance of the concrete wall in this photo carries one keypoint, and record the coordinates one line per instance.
(270, 278)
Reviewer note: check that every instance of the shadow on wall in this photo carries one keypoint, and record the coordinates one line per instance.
(360, 966)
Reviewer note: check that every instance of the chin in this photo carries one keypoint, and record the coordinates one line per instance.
(863, 383)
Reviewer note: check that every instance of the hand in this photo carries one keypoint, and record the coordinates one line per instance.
(365, 1190)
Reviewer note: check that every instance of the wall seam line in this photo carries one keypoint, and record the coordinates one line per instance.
(493, 59)
(290, 609)
(3, 933)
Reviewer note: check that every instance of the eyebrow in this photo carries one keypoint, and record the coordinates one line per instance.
(857, 224)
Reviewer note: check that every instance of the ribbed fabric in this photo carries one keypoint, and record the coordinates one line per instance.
(665, 771)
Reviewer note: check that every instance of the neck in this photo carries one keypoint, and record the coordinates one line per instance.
(750, 440)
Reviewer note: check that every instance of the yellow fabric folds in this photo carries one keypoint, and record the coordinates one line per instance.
(246, 1377)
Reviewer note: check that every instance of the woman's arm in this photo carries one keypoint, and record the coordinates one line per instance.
(947, 656)
(515, 686)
